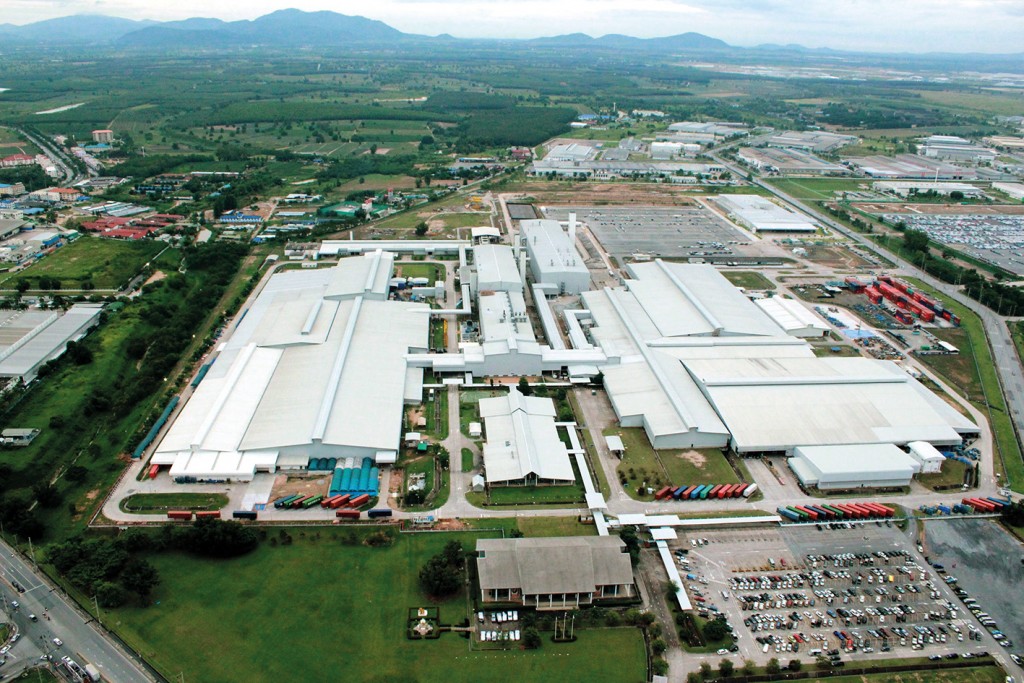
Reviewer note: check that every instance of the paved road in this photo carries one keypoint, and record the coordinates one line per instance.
(1011, 374)
(82, 641)
(59, 158)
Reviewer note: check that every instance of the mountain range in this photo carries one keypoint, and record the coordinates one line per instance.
(289, 28)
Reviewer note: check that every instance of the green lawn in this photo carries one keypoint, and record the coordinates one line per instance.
(433, 271)
(464, 220)
(641, 463)
(555, 526)
(748, 279)
(529, 495)
(952, 474)
(106, 263)
(315, 609)
(815, 189)
(467, 460)
(159, 503)
(436, 412)
(977, 674)
(469, 405)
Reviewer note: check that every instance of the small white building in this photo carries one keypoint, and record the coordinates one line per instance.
(793, 317)
(927, 455)
(853, 466)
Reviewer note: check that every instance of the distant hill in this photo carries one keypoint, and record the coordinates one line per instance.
(80, 29)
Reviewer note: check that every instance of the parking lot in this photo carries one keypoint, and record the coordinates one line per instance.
(851, 593)
(657, 231)
(498, 627)
(986, 562)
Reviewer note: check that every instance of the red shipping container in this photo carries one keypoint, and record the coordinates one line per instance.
(667, 490)
(359, 500)
(347, 513)
(326, 502)
(340, 500)
(208, 514)
(179, 514)
(153, 471)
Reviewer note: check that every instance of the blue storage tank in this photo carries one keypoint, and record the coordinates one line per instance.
(374, 476)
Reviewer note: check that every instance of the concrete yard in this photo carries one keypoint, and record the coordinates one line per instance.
(656, 231)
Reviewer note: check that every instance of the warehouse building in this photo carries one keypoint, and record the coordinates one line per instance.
(954, 148)
(811, 140)
(911, 166)
(315, 369)
(31, 338)
(1013, 190)
(554, 573)
(522, 447)
(495, 269)
(696, 364)
(908, 189)
(763, 215)
(554, 259)
(793, 317)
(853, 466)
(785, 160)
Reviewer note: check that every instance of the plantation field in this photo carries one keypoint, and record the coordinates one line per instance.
(106, 263)
(256, 613)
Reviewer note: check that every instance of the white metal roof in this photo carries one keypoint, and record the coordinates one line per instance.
(550, 245)
(47, 339)
(775, 404)
(790, 315)
(302, 372)
(763, 214)
(861, 463)
(522, 439)
(496, 268)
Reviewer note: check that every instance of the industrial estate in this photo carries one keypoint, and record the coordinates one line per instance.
(502, 379)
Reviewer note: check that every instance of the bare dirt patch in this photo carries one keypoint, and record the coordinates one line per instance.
(695, 458)
(155, 277)
(290, 485)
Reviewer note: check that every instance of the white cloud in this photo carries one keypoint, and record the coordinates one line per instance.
(877, 25)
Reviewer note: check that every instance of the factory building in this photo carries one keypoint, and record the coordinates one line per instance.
(763, 215)
(522, 447)
(927, 456)
(495, 269)
(554, 259)
(316, 369)
(909, 189)
(32, 337)
(696, 364)
(554, 573)
(954, 148)
(853, 467)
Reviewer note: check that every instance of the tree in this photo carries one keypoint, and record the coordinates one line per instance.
(716, 630)
(725, 668)
(524, 387)
(773, 666)
(531, 638)
(749, 667)
(421, 229)
(76, 474)
(693, 677)
(915, 240)
(956, 195)
(632, 541)
(794, 665)
(658, 646)
(140, 577)
(110, 595)
(441, 575)
(705, 670)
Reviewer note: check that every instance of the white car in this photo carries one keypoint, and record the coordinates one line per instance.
(723, 651)
(58, 642)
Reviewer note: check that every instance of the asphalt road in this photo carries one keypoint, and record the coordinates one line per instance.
(56, 618)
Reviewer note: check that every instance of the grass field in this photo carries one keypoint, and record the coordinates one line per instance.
(314, 609)
(159, 503)
(433, 271)
(977, 674)
(463, 220)
(748, 279)
(554, 526)
(467, 460)
(952, 474)
(107, 263)
(642, 463)
(815, 189)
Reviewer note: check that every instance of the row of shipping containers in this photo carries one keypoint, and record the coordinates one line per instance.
(186, 515)
(705, 492)
(832, 512)
(986, 505)
(925, 306)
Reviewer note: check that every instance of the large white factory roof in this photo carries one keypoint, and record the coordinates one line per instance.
(31, 338)
(496, 268)
(764, 215)
(522, 440)
(775, 404)
(550, 244)
(304, 374)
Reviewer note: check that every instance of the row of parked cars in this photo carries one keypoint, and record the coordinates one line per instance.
(971, 604)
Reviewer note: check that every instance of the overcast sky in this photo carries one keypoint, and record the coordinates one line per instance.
(875, 25)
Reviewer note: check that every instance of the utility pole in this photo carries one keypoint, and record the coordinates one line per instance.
(96, 603)
(32, 552)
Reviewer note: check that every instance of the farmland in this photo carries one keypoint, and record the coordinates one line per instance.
(91, 263)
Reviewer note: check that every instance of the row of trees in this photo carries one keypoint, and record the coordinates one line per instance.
(727, 668)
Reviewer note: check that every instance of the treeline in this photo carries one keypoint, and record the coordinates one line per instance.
(354, 167)
(904, 117)
(139, 167)
(281, 112)
(1003, 299)
(32, 177)
(113, 569)
(518, 125)
(467, 101)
